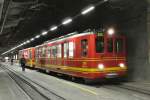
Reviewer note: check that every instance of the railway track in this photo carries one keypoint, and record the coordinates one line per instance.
(33, 89)
(129, 88)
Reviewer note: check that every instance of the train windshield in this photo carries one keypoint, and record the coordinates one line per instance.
(119, 45)
(99, 41)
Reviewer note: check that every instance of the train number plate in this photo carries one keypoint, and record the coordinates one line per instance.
(111, 75)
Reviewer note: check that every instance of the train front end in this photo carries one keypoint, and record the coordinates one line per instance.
(110, 52)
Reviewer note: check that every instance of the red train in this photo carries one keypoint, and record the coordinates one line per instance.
(90, 55)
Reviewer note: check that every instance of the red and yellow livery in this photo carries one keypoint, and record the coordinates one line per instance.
(90, 55)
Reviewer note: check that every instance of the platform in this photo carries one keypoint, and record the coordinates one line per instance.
(67, 89)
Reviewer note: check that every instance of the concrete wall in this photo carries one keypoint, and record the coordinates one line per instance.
(135, 25)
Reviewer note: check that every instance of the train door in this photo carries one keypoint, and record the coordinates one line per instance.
(109, 53)
(65, 53)
(84, 43)
(114, 50)
(43, 59)
(48, 55)
(59, 54)
(119, 48)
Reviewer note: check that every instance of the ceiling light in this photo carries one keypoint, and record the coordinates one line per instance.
(32, 39)
(44, 33)
(24, 43)
(53, 28)
(87, 10)
(37, 36)
(67, 21)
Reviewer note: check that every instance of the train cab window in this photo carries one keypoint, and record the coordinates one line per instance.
(71, 48)
(110, 45)
(84, 47)
(99, 41)
(65, 50)
(118, 45)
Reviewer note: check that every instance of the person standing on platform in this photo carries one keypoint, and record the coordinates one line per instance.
(23, 63)
(11, 60)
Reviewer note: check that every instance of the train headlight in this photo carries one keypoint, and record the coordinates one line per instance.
(100, 66)
(122, 65)
(111, 31)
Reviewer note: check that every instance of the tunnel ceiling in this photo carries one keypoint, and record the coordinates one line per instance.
(23, 19)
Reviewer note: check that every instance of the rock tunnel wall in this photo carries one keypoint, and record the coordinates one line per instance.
(135, 24)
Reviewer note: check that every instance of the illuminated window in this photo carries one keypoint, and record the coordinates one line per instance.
(40, 52)
(43, 52)
(84, 47)
(48, 52)
(59, 51)
(30, 54)
(54, 51)
(65, 50)
(71, 48)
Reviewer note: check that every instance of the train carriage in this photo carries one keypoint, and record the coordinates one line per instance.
(90, 55)
(29, 55)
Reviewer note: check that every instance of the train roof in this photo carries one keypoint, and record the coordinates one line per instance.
(70, 35)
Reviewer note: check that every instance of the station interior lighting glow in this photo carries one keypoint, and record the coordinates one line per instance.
(67, 21)
(53, 28)
(88, 10)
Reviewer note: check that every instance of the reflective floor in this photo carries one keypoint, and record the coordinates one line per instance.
(55, 88)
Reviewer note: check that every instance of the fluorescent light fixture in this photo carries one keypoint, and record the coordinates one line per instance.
(44, 33)
(24, 43)
(32, 39)
(37, 36)
(87, 10)
(105, 0)
(28, 41)
(53, 28)
(67, 21)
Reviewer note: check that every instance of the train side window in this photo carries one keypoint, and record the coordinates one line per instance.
(40, 52)
(49, 52)
(84, 47)
(71, 49)
(110, 45)
(43, 52)
(99, 41)
(30, 54)
(54, 51)
(59, 51)
(119, 45)
(65, 50)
